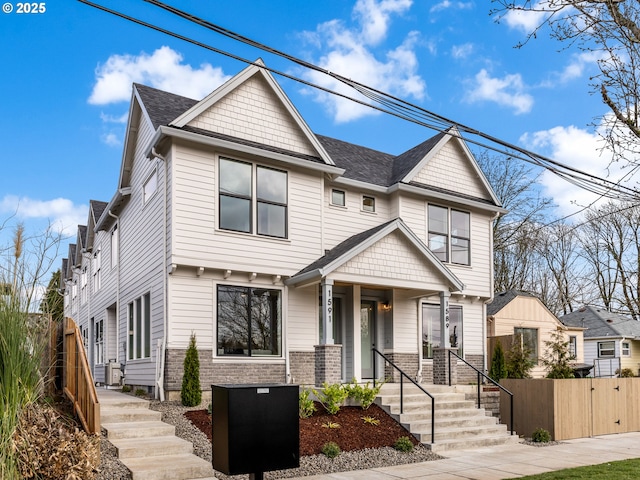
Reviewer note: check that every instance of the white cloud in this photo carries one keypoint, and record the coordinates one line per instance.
(113, 119)
(462, 51)
(526, 21)
(162, 69)
(60, 213)
(448, 4)
(350, 54)
(509, 91)
(579, 149)
(111, 139)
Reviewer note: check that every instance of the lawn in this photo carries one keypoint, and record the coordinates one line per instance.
(622, 470)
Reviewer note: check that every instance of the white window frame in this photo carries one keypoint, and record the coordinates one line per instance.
(573, 346)
(150, 186)
(450, 236)
(98, 351)
(366, 208)
(611, 348)
(344, 197)
(625, 348)
(83, 285)
(139, 328)
(115, 244)
(97, 270)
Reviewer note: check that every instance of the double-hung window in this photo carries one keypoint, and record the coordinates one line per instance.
(139, 333)
(99, 342)
(529, 340)
(449, 234)
(249, 321)
(252, 198)
(626, 349)
(97, 270)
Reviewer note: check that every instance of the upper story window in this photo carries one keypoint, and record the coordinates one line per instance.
(626, 349)
(339, 198)
(573, 346)
(249, 192)
(150, 186)
(449, 234)
(83, 285)
(97, 270)
(607, 349)
(368, 204)
(114, 246)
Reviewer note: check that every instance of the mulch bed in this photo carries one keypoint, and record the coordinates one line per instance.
(353, 432)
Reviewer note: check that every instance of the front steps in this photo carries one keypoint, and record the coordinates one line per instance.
(459, 424)
(147, 446)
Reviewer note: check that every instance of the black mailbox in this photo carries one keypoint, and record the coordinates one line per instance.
(256, 428)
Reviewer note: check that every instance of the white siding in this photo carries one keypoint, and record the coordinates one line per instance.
(448, 164)
(302, 319)
(405, 322)
(192, 311)
(254, 112)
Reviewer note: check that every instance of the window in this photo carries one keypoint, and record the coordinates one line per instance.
(150, 186)
(114, 246)
(98, 351)
(97, 267)
(239, 197)
(84, 333)
(626, 349)
(249, 321)
(449, 234)
(368, 204)
(431, 333)
(606, 349)
(529, 339)
(139, 334)
(338, 197)
(83, 285)
(573, 346)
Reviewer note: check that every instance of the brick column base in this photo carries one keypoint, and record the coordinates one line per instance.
(441, 366)
(328, 364)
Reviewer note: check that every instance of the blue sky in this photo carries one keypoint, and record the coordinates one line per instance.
(67, 74)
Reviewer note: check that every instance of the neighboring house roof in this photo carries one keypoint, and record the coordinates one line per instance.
(502, 299)
(349, 248)
(600, 323)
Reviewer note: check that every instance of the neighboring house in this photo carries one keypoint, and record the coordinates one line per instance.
(288, 254)
(518, 313)
(611, 340)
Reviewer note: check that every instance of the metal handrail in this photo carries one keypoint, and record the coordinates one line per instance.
(487, 378)
(374, 350)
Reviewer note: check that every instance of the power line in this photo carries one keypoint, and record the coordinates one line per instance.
(392, 105)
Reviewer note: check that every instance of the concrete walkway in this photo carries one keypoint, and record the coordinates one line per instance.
(506, 461)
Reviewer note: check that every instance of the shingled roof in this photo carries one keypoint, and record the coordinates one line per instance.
(163, 107)
(502, 299)
(600, 323)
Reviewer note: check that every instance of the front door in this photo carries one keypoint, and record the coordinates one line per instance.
(367, 336)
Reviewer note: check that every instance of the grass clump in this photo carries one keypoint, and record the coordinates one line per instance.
(331, 449)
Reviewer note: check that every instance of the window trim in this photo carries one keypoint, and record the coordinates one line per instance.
(612, 349)
(448, 235)
(139, 343)
(373, 204)
(460, 347)
(146, 197)
(535, 353)
(626, 349)
(98, 341)
(573, 346)
(253, 199)
(115, 246)
(344, 198)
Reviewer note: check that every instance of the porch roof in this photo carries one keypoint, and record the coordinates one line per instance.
(346, 251)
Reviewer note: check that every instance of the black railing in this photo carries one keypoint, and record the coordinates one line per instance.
(402, 376)
(479, 385)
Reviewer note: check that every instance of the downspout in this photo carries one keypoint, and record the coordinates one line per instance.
(490, 299)
(163, 347)
(117, 219)
(419, 315)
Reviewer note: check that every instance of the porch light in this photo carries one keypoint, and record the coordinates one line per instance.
(386, 307)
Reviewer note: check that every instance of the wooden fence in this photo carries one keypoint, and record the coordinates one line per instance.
(78, 383)
(573, 408)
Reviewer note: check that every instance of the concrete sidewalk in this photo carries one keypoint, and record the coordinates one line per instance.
(507, 461)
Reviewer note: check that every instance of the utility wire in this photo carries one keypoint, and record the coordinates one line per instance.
(393, 106)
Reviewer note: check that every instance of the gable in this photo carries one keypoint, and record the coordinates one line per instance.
(394, 260)
(451, 162)
(527, 311)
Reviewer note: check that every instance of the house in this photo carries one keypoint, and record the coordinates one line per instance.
(611, 340)
(515, 312)
(288, 254)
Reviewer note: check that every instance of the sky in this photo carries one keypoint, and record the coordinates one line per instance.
(67, 70)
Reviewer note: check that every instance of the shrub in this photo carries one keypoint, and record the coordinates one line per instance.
(126, 388)
(519, 361)
(331, 397)
(331, 449)
(191, 394)
(140, 392)
(306, 407)
(625, 372)
(403, 444)
(540, 435)
(557, 359)
(365, 395)
(498, 368)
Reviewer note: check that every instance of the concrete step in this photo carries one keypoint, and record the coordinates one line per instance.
(420, 397)
(150, 447)
(169, 467)
(425, 414)
(138, 429)
(452, 422)
(422, 407)
(128, 414)
(468, 432)
(468, 444)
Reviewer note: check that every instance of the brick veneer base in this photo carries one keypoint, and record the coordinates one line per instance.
(303, 367)
(408, 362)
(328, 364)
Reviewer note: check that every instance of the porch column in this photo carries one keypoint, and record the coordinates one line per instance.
(327, 312)
(357, 334)
(444, 319)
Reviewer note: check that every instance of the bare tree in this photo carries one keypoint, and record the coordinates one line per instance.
(610, 30)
